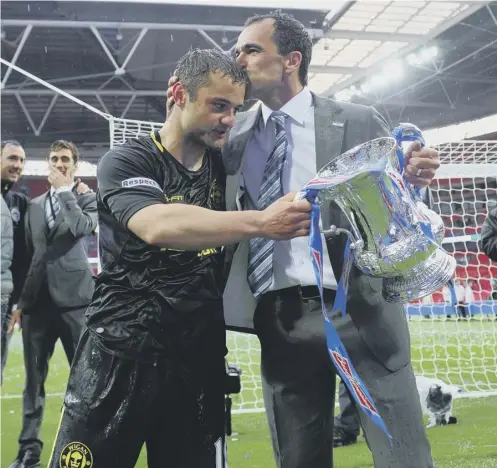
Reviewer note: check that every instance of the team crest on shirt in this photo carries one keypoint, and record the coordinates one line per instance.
(16, 215)
(76, 455)
(215, 195)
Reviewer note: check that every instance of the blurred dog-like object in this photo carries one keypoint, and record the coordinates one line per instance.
(437, 400)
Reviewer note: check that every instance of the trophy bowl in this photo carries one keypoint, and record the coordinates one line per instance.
(395, 235)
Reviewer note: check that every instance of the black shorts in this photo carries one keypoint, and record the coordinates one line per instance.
(113, 406)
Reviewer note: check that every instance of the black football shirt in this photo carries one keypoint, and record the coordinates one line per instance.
(150, 300)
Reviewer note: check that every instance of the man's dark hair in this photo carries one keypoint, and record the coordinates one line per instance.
(195, 67)
(289, 35)
(58, 145)
(10, 143)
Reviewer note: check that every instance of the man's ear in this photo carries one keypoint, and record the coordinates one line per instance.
(293, 61)
(179, 94)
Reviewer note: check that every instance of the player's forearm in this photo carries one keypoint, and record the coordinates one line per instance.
(189, 227)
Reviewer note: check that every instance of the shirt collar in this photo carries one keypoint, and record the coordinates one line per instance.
(296, 108)
(6, 186)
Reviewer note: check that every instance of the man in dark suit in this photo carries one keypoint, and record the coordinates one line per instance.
(285, 312)
(58, 287)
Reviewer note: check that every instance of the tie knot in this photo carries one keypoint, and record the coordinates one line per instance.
(278, 117)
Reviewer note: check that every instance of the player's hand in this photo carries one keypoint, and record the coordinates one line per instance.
(57, 179)
(286, 218)
(420, 164)
(82, 188)
(170, 100)
(15, 318)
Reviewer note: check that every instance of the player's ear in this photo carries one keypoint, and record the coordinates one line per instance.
(179, 94)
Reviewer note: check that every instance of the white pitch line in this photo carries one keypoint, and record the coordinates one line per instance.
(14, 397)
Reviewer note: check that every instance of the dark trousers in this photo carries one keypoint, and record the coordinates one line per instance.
(113, 406)
(298, 382)
(42, 326)
(463, 310)
(5, 337)
(298, 379)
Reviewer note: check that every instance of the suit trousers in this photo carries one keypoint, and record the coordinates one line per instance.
(298, 382)
(42, 326)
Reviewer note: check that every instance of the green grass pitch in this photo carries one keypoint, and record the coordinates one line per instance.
(465, 355)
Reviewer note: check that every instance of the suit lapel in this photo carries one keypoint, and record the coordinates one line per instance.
(329, 130)
(231, 191)
(329, 124)
(234, 154)
(38, 214)
(58, 221)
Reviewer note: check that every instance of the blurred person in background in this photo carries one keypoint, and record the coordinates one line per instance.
(6, 284)
(58, 287)
(460, 296)
(347, 425)
(489, 232)
(12, 163)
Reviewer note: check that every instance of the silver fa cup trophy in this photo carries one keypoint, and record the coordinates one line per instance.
(393, 233)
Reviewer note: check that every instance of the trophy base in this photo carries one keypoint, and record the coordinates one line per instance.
(421, 281)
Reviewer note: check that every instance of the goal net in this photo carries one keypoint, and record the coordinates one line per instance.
(457, 346)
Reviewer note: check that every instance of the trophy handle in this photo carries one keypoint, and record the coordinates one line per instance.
(334, 231)
(407, 132)
(355, 244)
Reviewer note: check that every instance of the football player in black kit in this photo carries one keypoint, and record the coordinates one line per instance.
(150, 367)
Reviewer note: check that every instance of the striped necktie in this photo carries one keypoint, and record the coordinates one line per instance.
(53, 209)
(260, 265)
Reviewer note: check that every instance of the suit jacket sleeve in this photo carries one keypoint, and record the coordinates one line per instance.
(81, 220)
(378, 127)
(489, 235)
(7, 251)
(22, 258)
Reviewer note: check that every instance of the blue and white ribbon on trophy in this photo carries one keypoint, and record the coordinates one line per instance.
(409, 132)
(336, 349)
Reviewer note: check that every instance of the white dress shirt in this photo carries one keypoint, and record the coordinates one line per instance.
(291, 259)
(53, 195)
